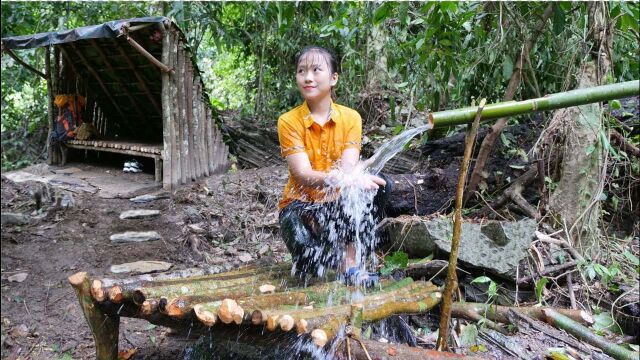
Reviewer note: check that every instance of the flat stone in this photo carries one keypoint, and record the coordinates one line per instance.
(14, 218)
(149, 197)
(135, 236)
(139, 213)
(141, 267)
(497, 246)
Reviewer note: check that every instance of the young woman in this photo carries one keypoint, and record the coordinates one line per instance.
(320, 141)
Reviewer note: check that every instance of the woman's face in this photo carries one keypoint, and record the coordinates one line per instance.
(315, 77)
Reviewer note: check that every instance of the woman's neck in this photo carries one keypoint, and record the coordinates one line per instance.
(320, 110)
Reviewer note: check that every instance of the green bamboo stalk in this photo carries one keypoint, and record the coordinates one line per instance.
(581, 332)
(549, 102)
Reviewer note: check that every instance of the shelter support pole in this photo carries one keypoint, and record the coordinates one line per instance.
(21, 62)
(148, 56)
(176, 168)
(51, 159)
(167, 127)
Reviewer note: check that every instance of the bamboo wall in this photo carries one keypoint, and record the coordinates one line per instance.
(193, 145)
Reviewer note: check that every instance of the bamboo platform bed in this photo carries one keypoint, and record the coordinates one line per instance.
(153, 151)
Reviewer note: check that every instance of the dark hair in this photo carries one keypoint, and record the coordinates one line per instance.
(329, 57)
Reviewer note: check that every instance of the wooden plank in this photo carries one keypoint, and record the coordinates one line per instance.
(112, 150)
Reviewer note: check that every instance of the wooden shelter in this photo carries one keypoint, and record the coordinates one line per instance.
(141, 90)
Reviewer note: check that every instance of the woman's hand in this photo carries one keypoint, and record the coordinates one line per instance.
(338, 178)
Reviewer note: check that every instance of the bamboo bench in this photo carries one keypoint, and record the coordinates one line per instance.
(153, 151)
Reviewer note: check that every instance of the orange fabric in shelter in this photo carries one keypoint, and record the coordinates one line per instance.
(324, 145)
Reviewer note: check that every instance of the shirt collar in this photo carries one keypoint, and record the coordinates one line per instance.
(308, 119)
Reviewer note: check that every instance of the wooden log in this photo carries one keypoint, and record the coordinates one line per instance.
(562, 322)
(96, 290)
(206, 317)
(227, 310)
(104, 328)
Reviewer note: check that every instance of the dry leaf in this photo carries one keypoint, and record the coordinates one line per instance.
(392, 351)
(126, 354)
(20, 277)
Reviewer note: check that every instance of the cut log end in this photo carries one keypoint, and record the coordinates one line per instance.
(226, 310)
(272, 322)
(148, 307)
(319, 337)
(77, 279)
(177, 307)
(286, 322)
(96, 290)
(256, 317)
(205, 316)
(115, 294)
(301, 326)
(238, 315)
(588, 319)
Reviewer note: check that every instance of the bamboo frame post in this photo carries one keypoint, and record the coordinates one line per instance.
(452, 280)
(176, 168)
(105, 328)
(167, 127)
(183, 129)
(47, 68)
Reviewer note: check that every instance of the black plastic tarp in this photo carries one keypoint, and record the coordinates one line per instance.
(109, 29)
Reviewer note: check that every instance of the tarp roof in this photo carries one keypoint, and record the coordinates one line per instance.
(111, 29)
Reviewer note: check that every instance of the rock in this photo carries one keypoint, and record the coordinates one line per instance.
(267, 288)
(245, 257)
(14, 218)
(139, 213)
(141, 267)
(20, 277)
(135, 236)
(19, 331)
(197, 228)
(149, 197)
(495, 246)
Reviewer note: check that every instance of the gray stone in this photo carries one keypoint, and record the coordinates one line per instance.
(135, 236)
(139, 213)
(149, 197)
(14, 218)
(141, 267)
(496, 246)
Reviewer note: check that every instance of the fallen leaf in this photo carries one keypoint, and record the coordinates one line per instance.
(392, 351)
(126, 354)
(20, 277)
(19, 331)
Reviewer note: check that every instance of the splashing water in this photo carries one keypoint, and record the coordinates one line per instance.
(387, 151)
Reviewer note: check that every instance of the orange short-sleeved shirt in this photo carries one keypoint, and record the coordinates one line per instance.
(323, 144)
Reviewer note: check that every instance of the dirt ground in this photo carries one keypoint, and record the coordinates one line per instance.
(225, 221)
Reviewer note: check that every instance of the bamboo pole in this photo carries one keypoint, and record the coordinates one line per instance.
(202, 130)
(560, 321)
(208, 139)
(183, 129)
(140, 79)
(549, 102)
(119, 81)
(96, 76)
(176, 150)
(148, 56)
(167, 121)
(50, 113)
(452, 279)
(500, 313)
(188, 110)
(104, 328)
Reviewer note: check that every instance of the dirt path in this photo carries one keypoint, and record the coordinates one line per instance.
(233, 217)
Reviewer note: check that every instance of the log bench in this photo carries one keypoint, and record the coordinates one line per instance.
(153, 151)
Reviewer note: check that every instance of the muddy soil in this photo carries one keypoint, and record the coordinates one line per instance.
(224, 221)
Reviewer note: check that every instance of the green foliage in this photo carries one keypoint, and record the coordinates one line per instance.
(540, 284)
(398, 260)
(604, 322)
(427, 55)
(492, 290)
